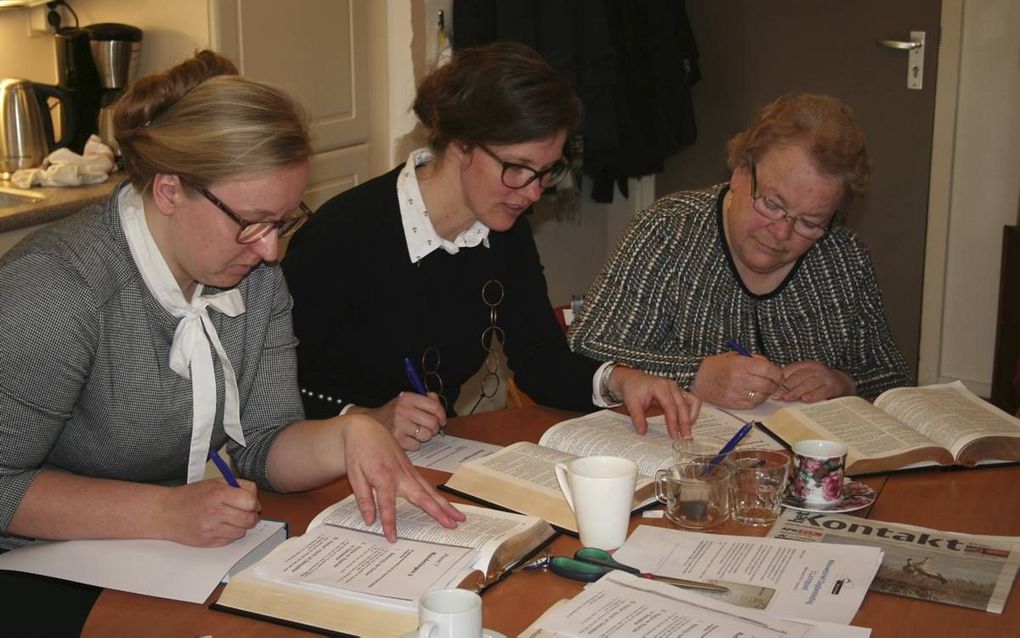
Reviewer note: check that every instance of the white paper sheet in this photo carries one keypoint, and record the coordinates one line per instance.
(826, 584)
(151, 567)
(446, 453)
(625, 606)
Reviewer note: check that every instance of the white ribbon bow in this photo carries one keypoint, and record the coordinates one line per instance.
(190, 354)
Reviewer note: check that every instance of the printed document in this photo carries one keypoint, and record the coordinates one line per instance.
(446, 453)
(823, 583)
(626, 606)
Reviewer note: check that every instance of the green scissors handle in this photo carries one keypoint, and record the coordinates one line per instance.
(590, 564)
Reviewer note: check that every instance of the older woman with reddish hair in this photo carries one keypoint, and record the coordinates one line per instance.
(760, 263)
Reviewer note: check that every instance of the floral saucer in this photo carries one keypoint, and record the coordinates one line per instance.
(856, 495)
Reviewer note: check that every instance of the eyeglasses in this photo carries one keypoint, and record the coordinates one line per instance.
(771, 209)
(250, 232)
(519, 175)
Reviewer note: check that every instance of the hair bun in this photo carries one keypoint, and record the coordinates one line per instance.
(151, 96)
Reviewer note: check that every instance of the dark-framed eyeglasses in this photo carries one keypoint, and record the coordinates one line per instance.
(518, 175)
(250, 232)
(773, 210)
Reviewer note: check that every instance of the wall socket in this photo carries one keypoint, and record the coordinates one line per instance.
(35, 17)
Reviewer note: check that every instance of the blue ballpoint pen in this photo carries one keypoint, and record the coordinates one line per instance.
(224, 468)
(419, 387)
(726, 449)
(737, 347)
(412, 376)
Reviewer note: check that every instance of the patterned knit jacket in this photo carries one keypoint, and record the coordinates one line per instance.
(670, 296)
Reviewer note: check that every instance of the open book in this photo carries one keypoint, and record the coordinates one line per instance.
(343, 575)
(521, 478)
(943, 424)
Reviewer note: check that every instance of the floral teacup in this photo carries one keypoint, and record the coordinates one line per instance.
(818, 471)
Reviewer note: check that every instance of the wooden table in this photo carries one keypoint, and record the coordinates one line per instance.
(978, 501)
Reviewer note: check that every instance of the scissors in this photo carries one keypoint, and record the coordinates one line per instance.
(591, 563)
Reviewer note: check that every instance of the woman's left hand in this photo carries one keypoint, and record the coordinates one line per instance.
(811, 381)
(639, 391)
(379, 471)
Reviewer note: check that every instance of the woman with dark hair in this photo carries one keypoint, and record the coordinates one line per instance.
(434, 262)
(140, 334)
(761, 260)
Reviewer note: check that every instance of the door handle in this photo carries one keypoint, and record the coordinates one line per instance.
(900, 44)
(915, 56)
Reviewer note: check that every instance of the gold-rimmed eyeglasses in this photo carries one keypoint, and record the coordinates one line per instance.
(773, 210)
(250, 232)
(518, 175)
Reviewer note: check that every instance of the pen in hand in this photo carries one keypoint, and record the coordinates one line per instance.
(737, 347)
(419, 387)
(412, 376)
(223, 468)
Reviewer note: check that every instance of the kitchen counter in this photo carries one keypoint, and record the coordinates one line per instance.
(59, 203)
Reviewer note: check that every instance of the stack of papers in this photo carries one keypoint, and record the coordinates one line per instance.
(778, 588)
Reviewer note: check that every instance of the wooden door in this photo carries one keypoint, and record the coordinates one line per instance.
(752, 51)
(318, 51)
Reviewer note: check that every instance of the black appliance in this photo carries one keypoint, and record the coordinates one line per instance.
(96, 63)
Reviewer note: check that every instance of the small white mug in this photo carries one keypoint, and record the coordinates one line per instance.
(600, 491)
(450, 613)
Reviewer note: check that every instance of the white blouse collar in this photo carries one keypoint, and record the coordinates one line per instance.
(420, 235)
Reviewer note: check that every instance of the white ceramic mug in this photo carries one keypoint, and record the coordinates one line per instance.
(600, 491)
(450, 613)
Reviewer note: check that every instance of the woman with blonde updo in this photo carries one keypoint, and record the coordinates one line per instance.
(140, 334)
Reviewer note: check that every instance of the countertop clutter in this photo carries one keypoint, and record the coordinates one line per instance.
(59, 202)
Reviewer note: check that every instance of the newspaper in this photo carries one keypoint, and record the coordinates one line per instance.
(957, 569)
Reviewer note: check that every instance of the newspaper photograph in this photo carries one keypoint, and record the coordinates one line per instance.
(947, 567)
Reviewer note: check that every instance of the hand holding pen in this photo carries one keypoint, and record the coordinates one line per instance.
(739, 348)
(419, 387)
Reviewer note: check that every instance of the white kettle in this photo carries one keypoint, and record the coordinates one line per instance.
(26, 127)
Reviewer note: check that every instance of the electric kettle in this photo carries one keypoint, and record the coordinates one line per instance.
(26, 127)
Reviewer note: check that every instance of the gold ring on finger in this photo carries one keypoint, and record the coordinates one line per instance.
(417, 429)
(751, 394)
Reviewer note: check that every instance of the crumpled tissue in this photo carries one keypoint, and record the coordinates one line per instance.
(64, 167)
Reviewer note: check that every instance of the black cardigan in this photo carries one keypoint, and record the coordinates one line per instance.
(361, 306)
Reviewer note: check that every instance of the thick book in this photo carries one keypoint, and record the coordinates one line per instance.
(944, 424)
(343, 576)
(521, 478)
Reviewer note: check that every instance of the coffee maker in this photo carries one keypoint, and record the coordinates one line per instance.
(97, 62)
(76, 74)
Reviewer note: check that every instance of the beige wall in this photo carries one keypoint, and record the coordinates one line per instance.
(172, 32)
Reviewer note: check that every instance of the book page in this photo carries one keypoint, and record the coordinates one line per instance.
(526, 464)
(345, 563)
(866, 430)
(483, 527)
(611, 433)
(948, 414)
